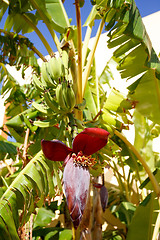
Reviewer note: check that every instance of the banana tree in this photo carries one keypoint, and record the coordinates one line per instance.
(69, 172)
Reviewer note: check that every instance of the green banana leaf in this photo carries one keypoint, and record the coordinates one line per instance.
(7, 147)
(147, 96)
(26, 192)
(53, 233)
(90, 103)
(141, 224)
(18, 23)
(3, 8)
(58, 15)
(134, 54)
(51, 11)
(143, 139)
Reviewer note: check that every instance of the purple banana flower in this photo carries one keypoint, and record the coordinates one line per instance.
(76, 176)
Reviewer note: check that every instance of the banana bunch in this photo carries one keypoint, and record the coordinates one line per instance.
(65, 96)
(57, 92)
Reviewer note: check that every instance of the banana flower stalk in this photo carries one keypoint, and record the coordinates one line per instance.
(77, 161)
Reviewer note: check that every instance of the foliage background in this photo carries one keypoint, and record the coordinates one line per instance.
(32, 203)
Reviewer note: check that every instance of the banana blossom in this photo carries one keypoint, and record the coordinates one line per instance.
(76, 176)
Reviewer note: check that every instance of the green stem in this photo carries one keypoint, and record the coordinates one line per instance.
(125, 180)
(146, 167)
(119, 177)
(40, 35)
(48, 25)
(73, 233)
(77, 233)
(85, 44)
(136, 166)
(55, 38)
(39, 54)
(91, 56)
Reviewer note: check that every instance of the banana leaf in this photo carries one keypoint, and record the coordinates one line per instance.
(27, 191)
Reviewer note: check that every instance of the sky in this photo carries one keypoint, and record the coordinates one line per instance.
(145, 7)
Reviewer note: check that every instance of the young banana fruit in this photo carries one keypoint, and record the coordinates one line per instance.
(69, 96)
(65, 96)
(60, 96)
(38, 84)
(52, 104)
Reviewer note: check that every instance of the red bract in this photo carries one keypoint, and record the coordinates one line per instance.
(76, 176)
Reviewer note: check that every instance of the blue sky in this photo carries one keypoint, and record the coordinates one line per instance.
(145, 7)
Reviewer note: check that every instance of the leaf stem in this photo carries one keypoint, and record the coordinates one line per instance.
(136, 166)
(85, 44)
(91, 56)
(73, 233)
(48, 25)
(125, 180)
(40, 35)
(39, 54)
(140, 158)
(55, 38)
